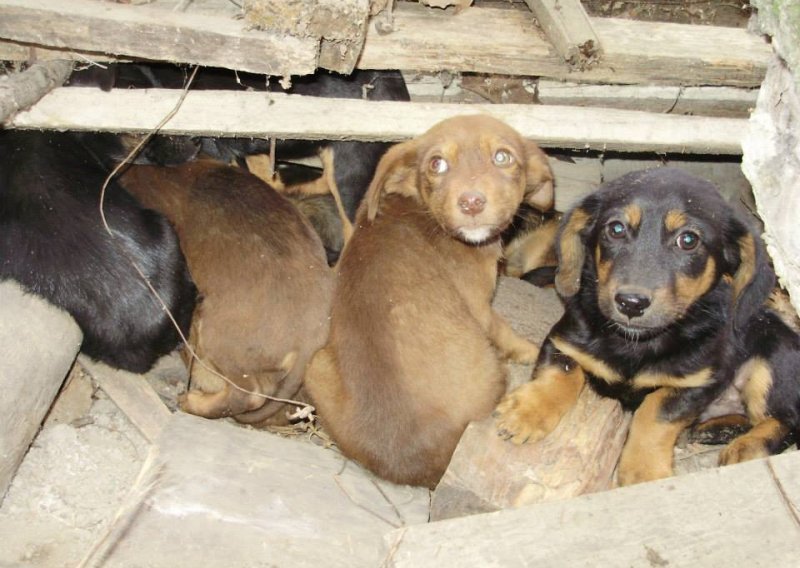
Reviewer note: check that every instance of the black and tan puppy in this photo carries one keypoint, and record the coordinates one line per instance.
(415, 347)
(263, 279)
(664, 289)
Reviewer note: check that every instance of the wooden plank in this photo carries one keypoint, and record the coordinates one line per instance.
(38, 344)
(219, 495)
(133, 395)
(509, 43)
(730, 516)
(151, 33)
(424, 39)
(292, 116)
(19, 91)
(569, 30)
(487, 473)
(705, 101)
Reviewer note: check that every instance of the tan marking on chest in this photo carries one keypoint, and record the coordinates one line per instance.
(647, 379)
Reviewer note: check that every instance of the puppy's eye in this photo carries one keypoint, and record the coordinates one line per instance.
(502, 158)
(616, 229)
(688, 240)
(439, 165)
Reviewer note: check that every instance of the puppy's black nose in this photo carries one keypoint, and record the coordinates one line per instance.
(632, 305)
(471, 202)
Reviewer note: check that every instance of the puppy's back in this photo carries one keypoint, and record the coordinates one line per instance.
(395, 304)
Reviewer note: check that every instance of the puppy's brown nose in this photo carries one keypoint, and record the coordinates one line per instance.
(471, 202)
(632, 305)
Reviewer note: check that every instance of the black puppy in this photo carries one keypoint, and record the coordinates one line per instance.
(664, 289)
(52, 241)
(354, 162)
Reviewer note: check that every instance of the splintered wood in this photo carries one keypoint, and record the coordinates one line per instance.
(488, 473)
(339, 25)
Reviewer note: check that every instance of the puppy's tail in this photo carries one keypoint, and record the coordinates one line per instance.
(330, 180)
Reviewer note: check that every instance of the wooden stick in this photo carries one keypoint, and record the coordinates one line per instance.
(569, 30)
(19, 91)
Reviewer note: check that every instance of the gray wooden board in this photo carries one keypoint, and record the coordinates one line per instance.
(423, 39)
(569, 30)
(228, 496)
(152, 33)
(294, 116)
(730, 516)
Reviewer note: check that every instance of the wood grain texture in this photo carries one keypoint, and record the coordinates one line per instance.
(293, 116)
(569, 30)
(487, 473)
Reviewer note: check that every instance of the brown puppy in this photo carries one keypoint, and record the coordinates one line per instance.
(263, 279)
(414, 352)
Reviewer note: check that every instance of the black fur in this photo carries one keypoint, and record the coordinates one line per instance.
(720, 330)
(354, 162)
(53, 243)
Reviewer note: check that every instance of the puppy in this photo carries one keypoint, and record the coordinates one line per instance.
(664, 288)
(415, 347)
(53, 242)
(263, 278)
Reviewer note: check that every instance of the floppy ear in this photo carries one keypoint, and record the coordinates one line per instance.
(752, 276)
(396, 173)
(539, 179)
(571, 247)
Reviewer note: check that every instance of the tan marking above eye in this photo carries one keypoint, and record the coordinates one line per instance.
(647, 379)
(633, 215)
(688, 289)
(589, 363)
(675, 219)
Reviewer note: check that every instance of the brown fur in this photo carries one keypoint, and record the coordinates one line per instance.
(262, 275)
(413, 352)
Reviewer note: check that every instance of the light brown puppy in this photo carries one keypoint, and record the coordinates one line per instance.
(262, 276)
(415, 347)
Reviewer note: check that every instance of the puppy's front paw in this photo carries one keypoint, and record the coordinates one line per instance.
(526, 415)
(743, 449)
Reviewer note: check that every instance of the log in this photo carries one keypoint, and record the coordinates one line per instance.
(487, 473)
(292, 116)
(38, 344)
(133, 395)
(569, 30)
(19, 91)
(153, 33)
(740, 515)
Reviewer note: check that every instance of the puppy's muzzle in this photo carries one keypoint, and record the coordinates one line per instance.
(632, 304)
(471, 203)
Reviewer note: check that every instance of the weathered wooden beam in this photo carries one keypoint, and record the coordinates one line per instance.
(706, 101)
(151, 33)
(254, 114)
(569, 30)
(339, 26)
(506, 41)
(38, 344)
(741, 515)
(18, 91)
(423, 39)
